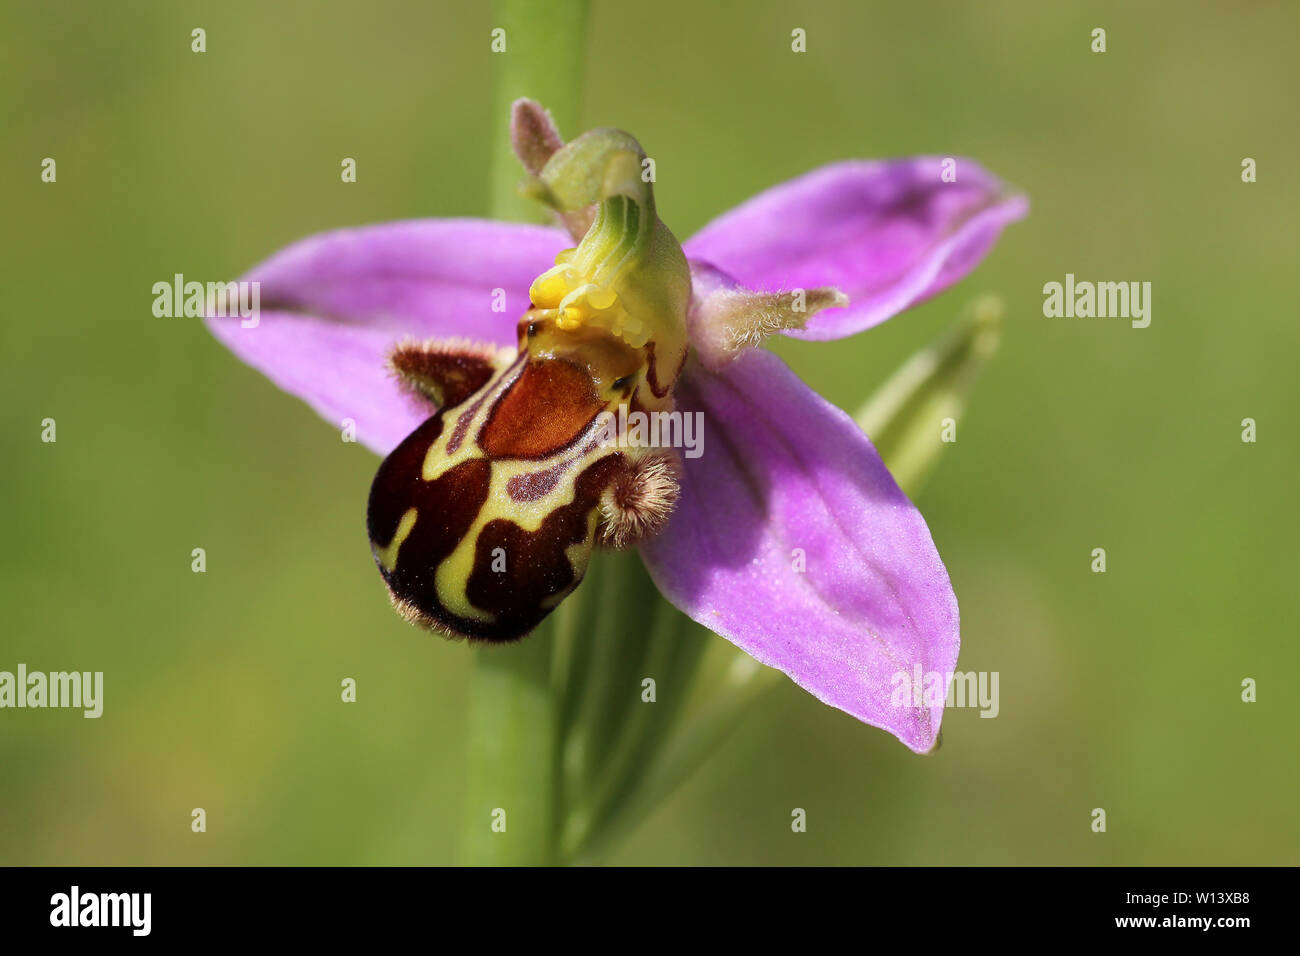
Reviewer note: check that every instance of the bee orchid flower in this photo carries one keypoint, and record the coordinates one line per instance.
(486, 361)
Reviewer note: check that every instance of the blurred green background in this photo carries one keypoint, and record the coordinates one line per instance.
(1119, 691)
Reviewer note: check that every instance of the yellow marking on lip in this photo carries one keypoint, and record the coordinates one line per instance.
(453, 574)
(387, 556)
(437, 461)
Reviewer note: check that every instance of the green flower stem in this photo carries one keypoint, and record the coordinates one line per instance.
(513, 780)
(545, 49)
(514, 776)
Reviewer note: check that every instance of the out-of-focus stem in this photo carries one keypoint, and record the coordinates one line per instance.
(545, 48)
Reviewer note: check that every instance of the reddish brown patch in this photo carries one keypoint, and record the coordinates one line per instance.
(545, 409)
(466, 417)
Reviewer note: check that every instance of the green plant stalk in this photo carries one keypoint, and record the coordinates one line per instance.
(514, 800)
(545, 49)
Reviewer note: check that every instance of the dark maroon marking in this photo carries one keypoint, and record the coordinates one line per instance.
(390, 492)
(536, 564)
(446, 509)
(454, 373)
(652, 372)
(544, 410)
(462, 426)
